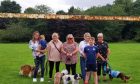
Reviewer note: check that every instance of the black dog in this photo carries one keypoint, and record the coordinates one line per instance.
(117, 74)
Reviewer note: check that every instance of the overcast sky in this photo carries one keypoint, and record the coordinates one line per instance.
(63, 4)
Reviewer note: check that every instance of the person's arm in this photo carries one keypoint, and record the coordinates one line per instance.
(108, 51)
(48, 49)
(62, 50)
(99, 56)
(76, 49)
(39, 49)
(80, 49)
(30, 44)
(84, 54)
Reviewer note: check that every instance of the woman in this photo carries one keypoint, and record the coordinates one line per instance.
(54, 47)
(34, 44)
(82, 45)
(70, 49)
(104, 51)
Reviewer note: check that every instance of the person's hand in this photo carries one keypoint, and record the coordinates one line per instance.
(84, 56)
(107, 59)
(36, 50)
(70, 54)
(67, 54)
(103, 59)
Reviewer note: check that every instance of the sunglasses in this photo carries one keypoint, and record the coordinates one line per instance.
(70, 38)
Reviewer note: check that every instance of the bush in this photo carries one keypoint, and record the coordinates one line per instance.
(137, 38)
(15, 33)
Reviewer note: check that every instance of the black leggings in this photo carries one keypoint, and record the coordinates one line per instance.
(72, 67)
(51, 66)
(100, 66)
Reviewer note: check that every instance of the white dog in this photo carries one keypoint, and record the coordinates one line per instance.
(58, 76)
(73, 78)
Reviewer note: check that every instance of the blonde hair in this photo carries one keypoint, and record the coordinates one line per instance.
(42, 37)
(92, 38)
(33, 39)
(55, 34)
(70, 36)
(87, 34)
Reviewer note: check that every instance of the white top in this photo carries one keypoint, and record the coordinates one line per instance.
(82, 45)
(34, 47)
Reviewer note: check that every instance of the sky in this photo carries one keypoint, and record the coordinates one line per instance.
(62, 4)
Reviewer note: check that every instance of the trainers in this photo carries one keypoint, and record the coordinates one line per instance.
(34, 80)
(41, 79)
(49, 79)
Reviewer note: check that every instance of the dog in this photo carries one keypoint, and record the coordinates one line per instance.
(27, 70)
(73, 78)
(58, 76)
(117, 74)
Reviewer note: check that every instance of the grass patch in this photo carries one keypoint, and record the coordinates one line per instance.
(124, 57)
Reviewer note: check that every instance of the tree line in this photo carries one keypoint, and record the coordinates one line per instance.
(20, 30)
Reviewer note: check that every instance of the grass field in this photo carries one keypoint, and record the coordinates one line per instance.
(124, 57)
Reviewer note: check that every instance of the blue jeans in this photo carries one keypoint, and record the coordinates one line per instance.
(39, 61)
(83, 67)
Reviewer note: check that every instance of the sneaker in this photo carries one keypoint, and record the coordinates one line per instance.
(49, 79)
(41, 79)
(34, 80)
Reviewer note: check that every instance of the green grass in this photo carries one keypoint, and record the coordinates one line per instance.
(124, 57)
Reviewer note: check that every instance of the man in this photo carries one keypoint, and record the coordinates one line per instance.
(104, 51)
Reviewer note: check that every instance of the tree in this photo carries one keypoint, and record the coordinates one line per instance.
(61, 12)
(135, 10)
(75, 11)
(71, 10)
(10, 7)
(30, 10)
(39, 24)
(126, 4)
(43, 9)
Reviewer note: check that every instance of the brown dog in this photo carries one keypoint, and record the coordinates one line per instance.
(27, 70)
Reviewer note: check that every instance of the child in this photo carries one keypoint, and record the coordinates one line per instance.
(91, 53)
(42, 43)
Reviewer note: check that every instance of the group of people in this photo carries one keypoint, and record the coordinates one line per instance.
(92, 55)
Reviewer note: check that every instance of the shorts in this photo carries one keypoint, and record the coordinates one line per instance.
(91, 67)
